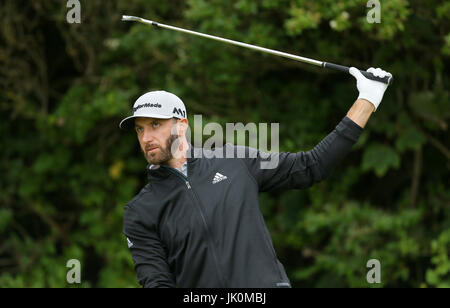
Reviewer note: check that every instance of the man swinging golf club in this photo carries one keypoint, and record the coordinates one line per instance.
(197, 222)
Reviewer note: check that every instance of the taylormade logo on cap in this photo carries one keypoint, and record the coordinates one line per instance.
(146, 105)
(156, 104)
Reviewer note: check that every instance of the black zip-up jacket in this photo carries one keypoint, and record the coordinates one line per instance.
(195, 231)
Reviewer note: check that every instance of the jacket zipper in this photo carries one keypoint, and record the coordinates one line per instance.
(197, 203)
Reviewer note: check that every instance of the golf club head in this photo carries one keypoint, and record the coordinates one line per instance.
(130, 18)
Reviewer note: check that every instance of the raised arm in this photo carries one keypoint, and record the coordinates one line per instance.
(302, 169)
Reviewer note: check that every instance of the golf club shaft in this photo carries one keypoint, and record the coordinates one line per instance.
(387, 79)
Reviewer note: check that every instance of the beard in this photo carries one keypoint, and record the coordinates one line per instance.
(163, 156)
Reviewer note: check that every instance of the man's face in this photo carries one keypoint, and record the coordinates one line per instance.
(156, 138)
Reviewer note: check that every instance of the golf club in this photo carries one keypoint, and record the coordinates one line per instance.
(386, 79)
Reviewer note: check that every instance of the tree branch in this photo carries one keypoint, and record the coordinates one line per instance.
(417, 171)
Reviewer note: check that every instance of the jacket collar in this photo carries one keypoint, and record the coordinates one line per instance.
(192, 155)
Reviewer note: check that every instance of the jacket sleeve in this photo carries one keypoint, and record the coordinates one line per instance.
(147, 251)
(302, 169)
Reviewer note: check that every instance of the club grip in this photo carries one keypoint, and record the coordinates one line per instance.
(387, 79)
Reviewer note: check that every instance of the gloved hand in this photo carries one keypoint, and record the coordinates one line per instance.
(369, 89)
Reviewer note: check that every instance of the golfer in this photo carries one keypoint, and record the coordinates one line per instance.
(197, 222)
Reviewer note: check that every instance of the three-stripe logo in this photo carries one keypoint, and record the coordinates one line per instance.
(218, 177)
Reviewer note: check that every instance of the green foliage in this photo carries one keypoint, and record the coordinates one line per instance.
(380, 158)
(67, 171)
(439, 276)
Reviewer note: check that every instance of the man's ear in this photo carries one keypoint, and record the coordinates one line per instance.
(182, 126)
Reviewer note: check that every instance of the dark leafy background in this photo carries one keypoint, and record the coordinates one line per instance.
(67, 170)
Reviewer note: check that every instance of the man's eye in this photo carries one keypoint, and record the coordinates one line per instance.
(139, 129)
(156, 124)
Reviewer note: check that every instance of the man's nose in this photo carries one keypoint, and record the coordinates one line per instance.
(147, 136)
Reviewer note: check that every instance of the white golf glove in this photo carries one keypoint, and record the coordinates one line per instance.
(370, 90)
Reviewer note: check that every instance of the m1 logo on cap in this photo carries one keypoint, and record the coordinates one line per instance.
(146, 105)
(179, 111)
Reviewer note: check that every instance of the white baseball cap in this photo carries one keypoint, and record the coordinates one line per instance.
(156, 104)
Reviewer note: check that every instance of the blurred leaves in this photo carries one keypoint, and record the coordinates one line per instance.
(380, 158)
(439, 276)
(301, 20)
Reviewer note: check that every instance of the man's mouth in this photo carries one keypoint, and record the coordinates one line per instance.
(151, 149)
